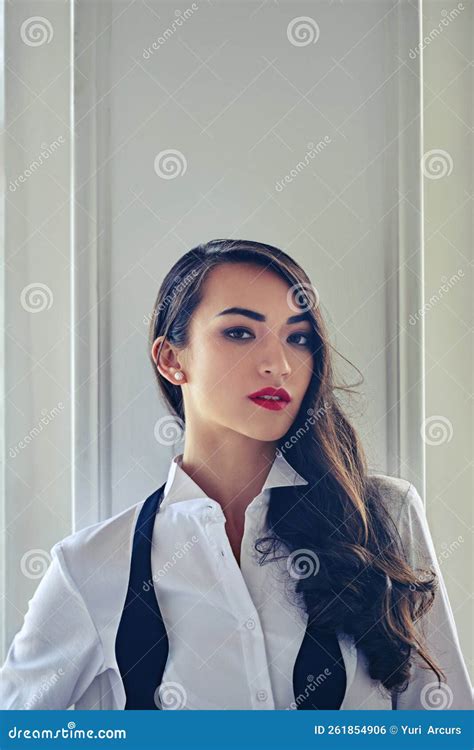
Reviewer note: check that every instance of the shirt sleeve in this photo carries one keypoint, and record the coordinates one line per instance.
(57, 652)
(437, 626)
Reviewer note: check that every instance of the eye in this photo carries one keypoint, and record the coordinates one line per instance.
(229, 331)
(305, 335)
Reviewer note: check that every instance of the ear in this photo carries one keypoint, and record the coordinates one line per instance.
(168, 362)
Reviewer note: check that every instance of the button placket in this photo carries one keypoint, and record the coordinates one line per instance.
(240, 601)
(215, 515)
(261, 698)
(256, 659)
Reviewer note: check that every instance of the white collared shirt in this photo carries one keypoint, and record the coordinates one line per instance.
(233, 633)
(64, 656)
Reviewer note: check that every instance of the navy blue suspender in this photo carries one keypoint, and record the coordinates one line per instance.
(141, 645)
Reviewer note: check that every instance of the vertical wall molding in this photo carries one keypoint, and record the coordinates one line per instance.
(411, 395)
(92, 268)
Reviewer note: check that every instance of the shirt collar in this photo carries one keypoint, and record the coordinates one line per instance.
(180, 487)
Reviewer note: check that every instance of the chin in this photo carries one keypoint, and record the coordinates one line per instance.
(265, 436)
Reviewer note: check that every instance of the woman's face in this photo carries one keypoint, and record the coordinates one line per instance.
(231, 355)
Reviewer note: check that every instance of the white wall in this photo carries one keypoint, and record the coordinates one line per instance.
(231, 93)
(449, 315)
(36, 507)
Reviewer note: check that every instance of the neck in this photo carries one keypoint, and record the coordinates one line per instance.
(229, 473)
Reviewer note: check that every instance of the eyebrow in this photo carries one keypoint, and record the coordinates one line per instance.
(258, 316)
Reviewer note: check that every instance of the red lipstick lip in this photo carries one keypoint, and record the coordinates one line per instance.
(269, 391)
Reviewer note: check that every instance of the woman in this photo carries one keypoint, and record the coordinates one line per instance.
(269, 571)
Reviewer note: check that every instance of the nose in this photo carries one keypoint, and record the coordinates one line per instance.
(274, 360)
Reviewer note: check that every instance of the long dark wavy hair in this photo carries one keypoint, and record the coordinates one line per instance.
(365, 586)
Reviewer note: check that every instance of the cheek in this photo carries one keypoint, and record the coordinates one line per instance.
(305, 366)
(216, 365)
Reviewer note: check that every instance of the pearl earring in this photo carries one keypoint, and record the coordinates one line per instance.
(179, 375)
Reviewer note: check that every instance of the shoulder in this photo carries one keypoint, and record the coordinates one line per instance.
(96, 559)
(394, 492)
(406, 508)
(100, 540)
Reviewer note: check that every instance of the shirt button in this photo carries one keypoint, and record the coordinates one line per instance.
(262, 695)
(250, 624)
